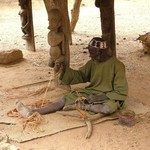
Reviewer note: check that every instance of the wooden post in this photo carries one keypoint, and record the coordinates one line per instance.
(62, 7)
(108, 22)
(31, 42)
(27, 23)
(75, 14)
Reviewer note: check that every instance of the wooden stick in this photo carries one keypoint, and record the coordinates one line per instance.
(30, 84)
(7, 123)
(89, 128)
(44, 98)
(88, 120)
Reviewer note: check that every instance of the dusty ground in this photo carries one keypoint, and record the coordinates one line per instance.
(132, 19)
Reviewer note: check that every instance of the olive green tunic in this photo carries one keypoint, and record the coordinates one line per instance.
(104, 77)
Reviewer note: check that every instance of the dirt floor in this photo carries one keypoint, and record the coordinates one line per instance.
(132, 19)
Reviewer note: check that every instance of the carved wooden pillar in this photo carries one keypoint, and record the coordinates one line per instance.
(27, 23)
(107, 21)
(59, 36)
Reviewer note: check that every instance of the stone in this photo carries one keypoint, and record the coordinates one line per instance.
(10, 56)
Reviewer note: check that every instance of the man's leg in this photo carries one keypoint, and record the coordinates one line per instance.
(25, 111)
(53, 107)
(108, 107)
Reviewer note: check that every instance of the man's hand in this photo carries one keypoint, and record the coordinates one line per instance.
(95, 98)
(59, 65)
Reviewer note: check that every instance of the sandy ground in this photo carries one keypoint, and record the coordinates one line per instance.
(132, 19)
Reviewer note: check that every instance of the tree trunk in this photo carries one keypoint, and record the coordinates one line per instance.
(75, 14)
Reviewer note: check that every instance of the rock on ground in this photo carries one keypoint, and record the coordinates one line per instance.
(10, 56)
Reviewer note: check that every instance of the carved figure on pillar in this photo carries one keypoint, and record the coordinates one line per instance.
(25, 20)
(55, 38)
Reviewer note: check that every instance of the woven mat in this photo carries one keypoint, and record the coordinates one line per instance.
(55, 123)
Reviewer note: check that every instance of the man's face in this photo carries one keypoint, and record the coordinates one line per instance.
(99, 55)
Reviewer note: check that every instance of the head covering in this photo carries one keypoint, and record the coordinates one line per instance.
(98, 49)
(98, 43)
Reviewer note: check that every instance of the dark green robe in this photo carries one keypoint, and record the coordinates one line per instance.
(104, 77)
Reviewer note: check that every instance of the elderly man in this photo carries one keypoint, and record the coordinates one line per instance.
(107, 89)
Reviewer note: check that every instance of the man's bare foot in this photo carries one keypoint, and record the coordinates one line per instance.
(22, 109)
